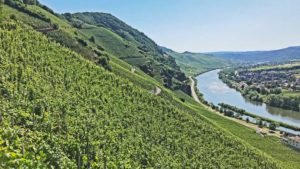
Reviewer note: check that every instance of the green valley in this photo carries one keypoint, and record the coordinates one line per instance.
(113, 119)
(195, 63)
(86, 90)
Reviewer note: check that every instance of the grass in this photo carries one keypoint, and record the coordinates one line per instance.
(269, 145)
(271, 67)
(8, 11)
(290, 93)
(54, 19)
(288, 157)
(110, 41)
(195, 63)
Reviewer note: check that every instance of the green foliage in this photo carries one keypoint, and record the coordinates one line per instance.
(24, 17)
(104, 39)
(269, 145)
(284, 101)
(22, 7)
(195, 63)
(130, 45)
(243, 112)
(30, 2)
(62, 111)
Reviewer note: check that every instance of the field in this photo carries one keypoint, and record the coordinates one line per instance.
(273, 67)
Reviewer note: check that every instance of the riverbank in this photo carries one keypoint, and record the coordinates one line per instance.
(249, 133)
(193, 90)
(243, 112)
(242, 122)
(275, 88)
(214, 91)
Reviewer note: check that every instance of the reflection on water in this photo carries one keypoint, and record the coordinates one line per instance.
(217, 88)
(253, 102)
(282, 112)
(215, 91)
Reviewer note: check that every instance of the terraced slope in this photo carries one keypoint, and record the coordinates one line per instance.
(130, 45)
(99, 44)
(60, 110)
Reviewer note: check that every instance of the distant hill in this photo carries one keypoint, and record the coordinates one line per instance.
(195, 63)
(281, 55)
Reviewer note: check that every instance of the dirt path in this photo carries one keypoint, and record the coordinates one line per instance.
(194, 94)
(157, 90)
(132, 70)
(242, 122)
(46, 30)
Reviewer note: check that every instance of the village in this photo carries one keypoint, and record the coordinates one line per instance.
(268, 81)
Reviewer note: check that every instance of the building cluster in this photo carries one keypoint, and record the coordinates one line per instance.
(269, 79)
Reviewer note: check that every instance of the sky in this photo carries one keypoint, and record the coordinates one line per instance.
(203, 25)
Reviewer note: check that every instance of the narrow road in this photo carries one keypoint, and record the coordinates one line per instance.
(194, 94)
(46, 30)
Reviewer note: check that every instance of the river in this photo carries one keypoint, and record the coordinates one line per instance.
(215, 91)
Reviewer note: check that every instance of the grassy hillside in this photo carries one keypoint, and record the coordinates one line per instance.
(130, 45)
(104, 45)
(281, 55)
(63, 111)
(195, 63)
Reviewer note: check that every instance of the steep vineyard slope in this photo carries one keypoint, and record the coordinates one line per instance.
(129, 45)
(60, 110)
(98, 44)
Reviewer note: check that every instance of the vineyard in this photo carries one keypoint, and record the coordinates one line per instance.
(59, 110)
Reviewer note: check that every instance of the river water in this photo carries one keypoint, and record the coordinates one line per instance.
(215, 91)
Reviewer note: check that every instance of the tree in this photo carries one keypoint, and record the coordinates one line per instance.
(259, 122)
(273, 126)
(13, 17)
(55, 26)
(92, 39)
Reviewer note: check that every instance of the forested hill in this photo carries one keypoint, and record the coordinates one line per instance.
(281, 55)
(195, 63)
(59, 110)
(133, 46)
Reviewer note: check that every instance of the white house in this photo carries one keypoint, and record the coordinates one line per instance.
(292, 141)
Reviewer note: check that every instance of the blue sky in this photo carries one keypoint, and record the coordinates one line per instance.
(203, 25)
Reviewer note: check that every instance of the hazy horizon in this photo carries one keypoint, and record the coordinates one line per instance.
(203, 25)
